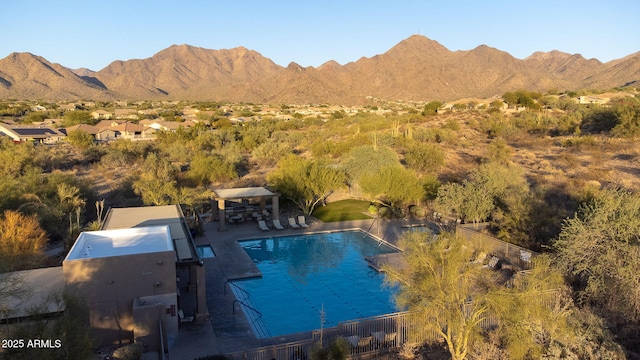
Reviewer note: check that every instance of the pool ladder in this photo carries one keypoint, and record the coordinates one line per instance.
(252, 314)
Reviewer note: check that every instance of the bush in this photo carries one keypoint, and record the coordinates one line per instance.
(425, 157)
(129, 352)
(417, 212)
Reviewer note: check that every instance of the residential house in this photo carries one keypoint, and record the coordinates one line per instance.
(106, 134)
(101, 114)
(131, 114)
(592, 100)
(132, 131)
(39, 134)
(89, 129)
(86, 128)
(105, 124)
(68, 107)
(190, 113)
(162, 125)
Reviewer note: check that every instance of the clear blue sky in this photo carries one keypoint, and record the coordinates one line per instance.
(93, 33)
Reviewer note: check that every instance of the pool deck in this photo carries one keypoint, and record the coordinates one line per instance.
(227, 329)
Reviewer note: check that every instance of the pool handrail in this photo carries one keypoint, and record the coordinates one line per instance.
(261, 331)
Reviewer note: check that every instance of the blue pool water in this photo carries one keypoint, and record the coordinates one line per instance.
(302, 274)
(205, 251)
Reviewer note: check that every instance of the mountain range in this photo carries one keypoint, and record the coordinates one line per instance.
(416, 69)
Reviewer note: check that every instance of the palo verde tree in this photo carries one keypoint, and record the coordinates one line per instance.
(488, 186)
(157, 182)
(437, 283)
(306, 182)
(368, 159)
(393, 186)
(445, 285)
(600, 248)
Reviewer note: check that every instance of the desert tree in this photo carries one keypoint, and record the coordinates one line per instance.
(76, 117)
(436, 285)
(22, 241)
(476, 198)
(306, 182)
(445, 285)
(431, 108)
(156, 183)
(205, 169)
(367, 159)
(499, 151)
(600, 248)
(80, 139)
(424, 157)
(393, 186)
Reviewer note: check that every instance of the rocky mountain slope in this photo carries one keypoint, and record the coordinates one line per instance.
(415, 69)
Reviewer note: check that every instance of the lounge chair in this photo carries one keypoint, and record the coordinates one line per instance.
(384, 339)
(302, 221)
(292, 223)
(277, 225)
(263, 225)
(184, 319)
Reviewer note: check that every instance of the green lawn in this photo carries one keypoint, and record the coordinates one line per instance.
(343, 210)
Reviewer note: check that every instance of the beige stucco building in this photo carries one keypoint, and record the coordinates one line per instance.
(131, 274)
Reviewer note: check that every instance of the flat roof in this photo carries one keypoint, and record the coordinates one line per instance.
(240, 193)
(118, 242)
(137, 217)
(122, 218)
(37, 286)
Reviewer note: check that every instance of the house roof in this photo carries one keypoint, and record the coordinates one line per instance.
(129, 127)
(105, 124)
(119, 242)
(89, 129)
(24, 132)
(38, 284)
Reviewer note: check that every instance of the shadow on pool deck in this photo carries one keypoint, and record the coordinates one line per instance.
(227, 329)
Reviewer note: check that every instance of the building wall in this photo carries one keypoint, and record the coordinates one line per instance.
(148, 312)
(110, 285)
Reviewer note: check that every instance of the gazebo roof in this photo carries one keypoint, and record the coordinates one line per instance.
(243, 193)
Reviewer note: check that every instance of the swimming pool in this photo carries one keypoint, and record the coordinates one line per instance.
(205, 251)
(305, 273)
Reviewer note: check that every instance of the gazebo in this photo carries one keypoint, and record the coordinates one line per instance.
(236, 204)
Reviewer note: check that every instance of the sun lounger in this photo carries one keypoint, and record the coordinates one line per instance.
(263, 225)
(277, 225)
(302, 221)
(292, 223)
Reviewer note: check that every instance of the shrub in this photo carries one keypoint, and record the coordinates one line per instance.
(129, 352)
(425, 157)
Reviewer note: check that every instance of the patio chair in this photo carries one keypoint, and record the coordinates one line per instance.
(302, 221)
(277, 225)
(184, 319)
(292, 223)
(385, 339)
(263, 225)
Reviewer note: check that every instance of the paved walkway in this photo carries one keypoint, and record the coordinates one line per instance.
(227, 330)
